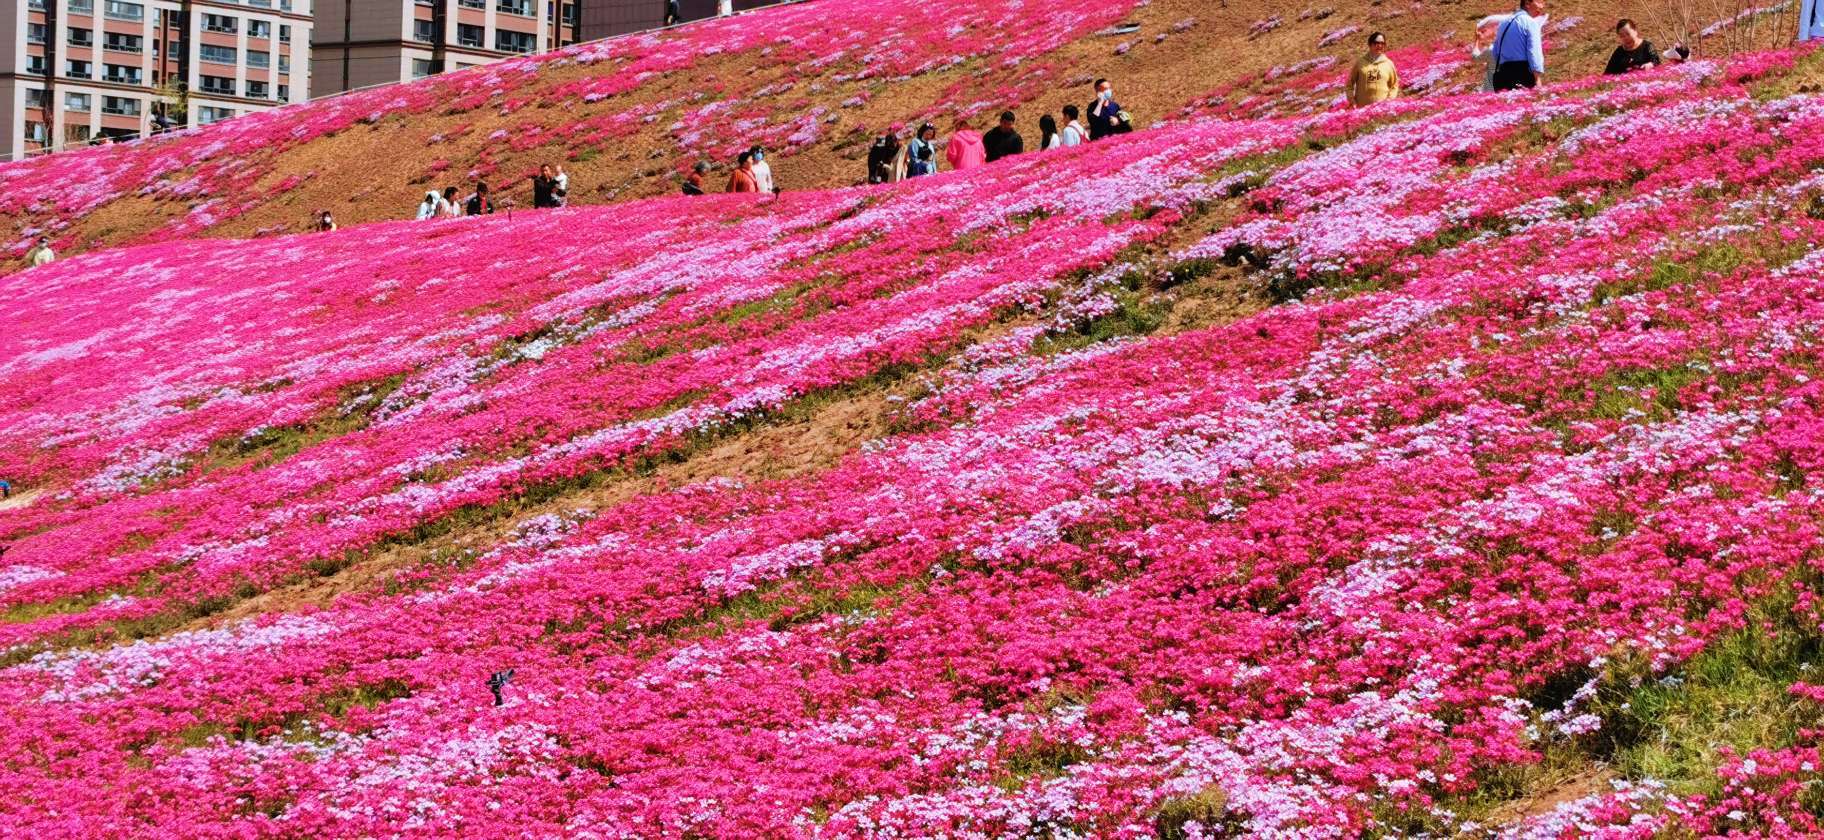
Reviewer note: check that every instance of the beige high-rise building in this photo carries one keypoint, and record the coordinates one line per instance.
(361, 43)
(75, 71)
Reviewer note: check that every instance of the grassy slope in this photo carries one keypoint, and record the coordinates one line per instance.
(379, 171)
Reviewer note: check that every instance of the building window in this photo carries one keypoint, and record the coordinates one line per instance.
(515, 7)
(122, 74)
(121, 10)
(570, 13)
(80, 7)
(421, 67)
(284, 63)
(76, 102)
(472, 4)
(75, 135)
(207, 114)
(259, 29)
(470, 35)
(284, 5)
(78, 69)
(217, 84)
(34, 133)
(218, 23)
(34, 33)
(219, 55)
(34, 65)
(424, 30)
(256, 90)
(174, 49)
(125, 106)
(80, 37)
(259, 58)
(34, 98)
(284, 93)
(35, 5)
(124, 43)
(264, 4)
(516, 42)
(284, 33)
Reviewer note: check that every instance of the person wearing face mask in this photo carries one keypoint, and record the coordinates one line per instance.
(325, 222)
(763, 171)
(1104, 112)
(1373, 78)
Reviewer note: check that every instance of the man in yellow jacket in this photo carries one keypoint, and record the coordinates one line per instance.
(1373, 78)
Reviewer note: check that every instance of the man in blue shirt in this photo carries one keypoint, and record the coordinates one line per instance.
(1104, 112)
(1520, 49)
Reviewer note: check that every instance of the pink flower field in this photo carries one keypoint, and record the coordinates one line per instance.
(1487, 505)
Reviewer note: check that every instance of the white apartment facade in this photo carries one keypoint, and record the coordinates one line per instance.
(76, 71)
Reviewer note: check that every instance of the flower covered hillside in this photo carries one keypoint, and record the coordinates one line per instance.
(1491, 483)
(814, 83)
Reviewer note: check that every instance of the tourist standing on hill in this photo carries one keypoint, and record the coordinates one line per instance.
(1003, 140)
(41, 253)
(1520, 49)
(448, 208)
(1049, 138)
(966, 151)
(1483, 50)
(763, 171)
(479, 204)
(431, 207)
(324, 222)
(1074, 134)
(886, 158)
(921, 153)
(693, 183)
(549, 187)
(1373, 78)
(1104, 112)
(1633, 52)
(742, 179)
(672, 15)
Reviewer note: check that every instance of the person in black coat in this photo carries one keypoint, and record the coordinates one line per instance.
(1633, 53)
(1104, 112)
(1003, 140)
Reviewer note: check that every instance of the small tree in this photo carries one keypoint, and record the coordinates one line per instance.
(174, 101)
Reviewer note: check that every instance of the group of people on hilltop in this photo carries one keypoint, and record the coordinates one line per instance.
(1512, 48)
(890, 159)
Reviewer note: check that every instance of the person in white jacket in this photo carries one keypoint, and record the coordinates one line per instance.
(763, 172)
(433, 206)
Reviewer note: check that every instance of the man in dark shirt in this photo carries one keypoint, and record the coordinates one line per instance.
(1002, 140)
(1634, 52)
(548, 190)
(478, 204)
(1104, 112)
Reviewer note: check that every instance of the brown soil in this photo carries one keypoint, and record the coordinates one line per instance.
(20, 499)
(1551, 793)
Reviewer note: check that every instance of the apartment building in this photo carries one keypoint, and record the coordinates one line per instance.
(76, 71)
(603, 18)
(360, 43)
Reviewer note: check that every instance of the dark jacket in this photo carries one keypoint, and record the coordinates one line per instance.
(1105, 123)
(1624, 60)
(546, 192)
(880, 159)
(693, 184)
(1002, 142)
(478, 205)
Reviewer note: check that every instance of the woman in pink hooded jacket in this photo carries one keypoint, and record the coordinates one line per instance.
(966, 150)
